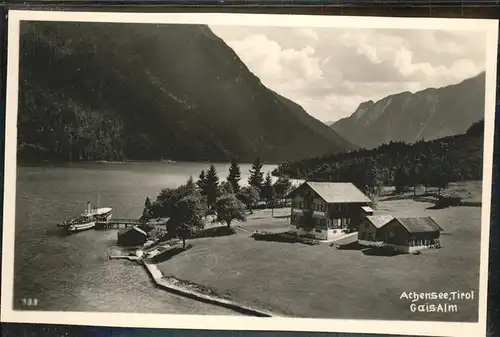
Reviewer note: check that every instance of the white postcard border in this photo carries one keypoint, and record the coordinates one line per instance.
(487, 27)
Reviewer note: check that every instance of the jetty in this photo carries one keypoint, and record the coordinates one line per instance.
(118, 223)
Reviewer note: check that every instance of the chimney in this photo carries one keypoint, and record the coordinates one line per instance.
(88, 207)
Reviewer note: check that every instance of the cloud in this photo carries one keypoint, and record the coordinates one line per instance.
(308, 33)
(288, 71)
(330, 71)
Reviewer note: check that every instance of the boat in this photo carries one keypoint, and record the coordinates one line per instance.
(88, 219)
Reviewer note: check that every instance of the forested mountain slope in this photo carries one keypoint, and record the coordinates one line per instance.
(94, 91)
(431, 163)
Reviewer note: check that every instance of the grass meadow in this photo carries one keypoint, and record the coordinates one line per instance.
(298, 280)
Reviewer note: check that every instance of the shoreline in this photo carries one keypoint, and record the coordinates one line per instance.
(133, 161)
(173, 285)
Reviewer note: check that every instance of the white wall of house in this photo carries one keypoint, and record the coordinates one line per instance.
(398, 248)
(411, 249)
(334, 232)
(318, 234)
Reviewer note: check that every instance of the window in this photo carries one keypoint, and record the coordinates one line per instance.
(370, 237)
(322, 222)
(363, 236)
(367, 225)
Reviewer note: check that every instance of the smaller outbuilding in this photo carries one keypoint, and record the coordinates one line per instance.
(405, 235)
(370, 231)
(411, 234)
(132, 236)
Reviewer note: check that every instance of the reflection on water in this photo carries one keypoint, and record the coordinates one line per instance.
(72, 272)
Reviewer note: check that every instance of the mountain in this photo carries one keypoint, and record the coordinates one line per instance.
(427, 114)
(109, 91)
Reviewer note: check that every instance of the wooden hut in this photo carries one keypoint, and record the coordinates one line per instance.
(132, 236)
(412, 234)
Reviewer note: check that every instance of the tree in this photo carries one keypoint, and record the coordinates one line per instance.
(256, 178)
(268, 192)
(441, 173)
(212, 183)
(190, 184)
(147, 211)
(249, 196)
(415, 176)
(166, 200)
(425, 172)
(370, 177)
(202, 182)
(186, 219)
(229, 208)
(225, 187)
(234, 176)
(400, 179)
(282, 186)
(168, 197)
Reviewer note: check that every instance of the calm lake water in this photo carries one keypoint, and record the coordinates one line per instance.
(73, 273)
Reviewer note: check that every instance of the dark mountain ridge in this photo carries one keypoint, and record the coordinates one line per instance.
(99, 91)
(409, 117)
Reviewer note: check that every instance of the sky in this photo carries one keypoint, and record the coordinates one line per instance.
(330, 71)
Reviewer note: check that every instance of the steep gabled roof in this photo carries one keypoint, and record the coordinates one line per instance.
(419, 225)
(379, 221)
(334, 192)
(128, 229)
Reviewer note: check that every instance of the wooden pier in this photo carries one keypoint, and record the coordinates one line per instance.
(117, 224)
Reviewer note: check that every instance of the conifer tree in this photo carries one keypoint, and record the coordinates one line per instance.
(147, 211)
(202, 182)
(400, 179)
(268, 192)
(234, 176)
(282, 187)
(256, 178)
(212, 183)
(190, 184)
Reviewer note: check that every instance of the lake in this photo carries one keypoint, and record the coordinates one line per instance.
(73, 273)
